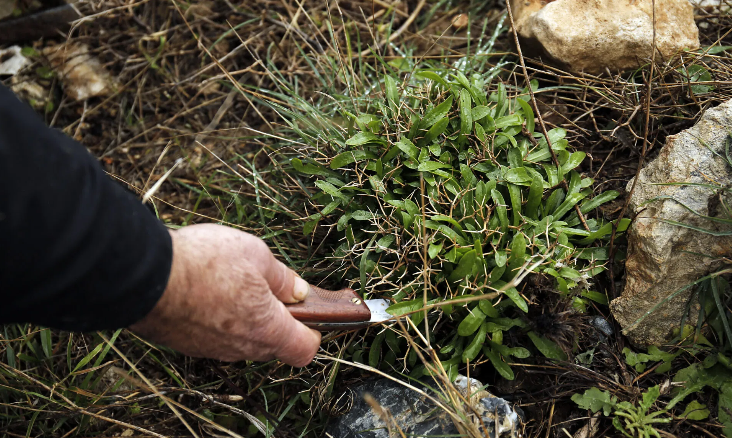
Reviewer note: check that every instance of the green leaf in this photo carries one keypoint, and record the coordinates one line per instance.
(518, 175)
(434, 249)
(436, 113)
(436, 130)
(695, 411)
(517, 299)
(568, 204)
(429, 166)
(500, 209)
(405, 307)
(548, 348)
(375, 350)
(650, 397)
(486, 306)
(528, 114)
(598, 200)
(330, 189)
(502, 367)
(392, 94)
(596, 400)
(309, 169)
(46, 344)
(473, 348)
(86, 359)
(363, 266)
(309, 226)
(385, 242)
(345, 158)
(465, 266)
(466, 115)
(535, 193)
(408, 148)
(470, 324)
(479, 112)
(426, 74)
(448, 219)
(363, 138)
(362, 215)
(574, 160)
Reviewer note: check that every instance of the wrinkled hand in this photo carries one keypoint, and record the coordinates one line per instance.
(224, 300)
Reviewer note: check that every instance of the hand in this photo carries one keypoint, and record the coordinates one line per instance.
(224, 300)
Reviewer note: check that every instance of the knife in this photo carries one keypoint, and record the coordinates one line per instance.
(329, 310)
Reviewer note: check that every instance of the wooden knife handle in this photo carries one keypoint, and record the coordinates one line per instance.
(322, 307)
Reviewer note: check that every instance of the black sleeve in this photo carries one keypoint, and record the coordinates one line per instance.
(77, 251)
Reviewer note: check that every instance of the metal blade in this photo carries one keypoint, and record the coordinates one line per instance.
(378, 310)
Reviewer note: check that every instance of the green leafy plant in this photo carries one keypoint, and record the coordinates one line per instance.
(630, 419)
(444, 189)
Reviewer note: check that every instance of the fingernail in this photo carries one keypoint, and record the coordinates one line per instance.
(302, 288)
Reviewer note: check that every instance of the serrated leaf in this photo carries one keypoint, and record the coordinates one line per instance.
(596, 400)
(548, 348)
(345, 158)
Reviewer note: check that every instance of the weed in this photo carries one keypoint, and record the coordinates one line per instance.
(439, 190)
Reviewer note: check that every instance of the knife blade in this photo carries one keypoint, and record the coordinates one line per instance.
(328, 310)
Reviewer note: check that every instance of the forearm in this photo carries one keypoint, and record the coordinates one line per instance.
(77, 251)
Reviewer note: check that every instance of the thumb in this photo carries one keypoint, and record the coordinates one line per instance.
(284, 283)
(299, 344)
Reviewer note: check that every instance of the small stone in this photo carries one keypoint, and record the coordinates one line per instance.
(593, 36)
(82, 74)
(12, 61)
(602, 325)
(460, 21)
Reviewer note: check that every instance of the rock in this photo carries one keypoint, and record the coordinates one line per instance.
(82, 74)
(595, 35)
(417, 416)
(663, 257)
(602, 325)
(12, 61)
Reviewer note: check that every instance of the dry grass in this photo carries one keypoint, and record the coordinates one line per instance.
(196, 78)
